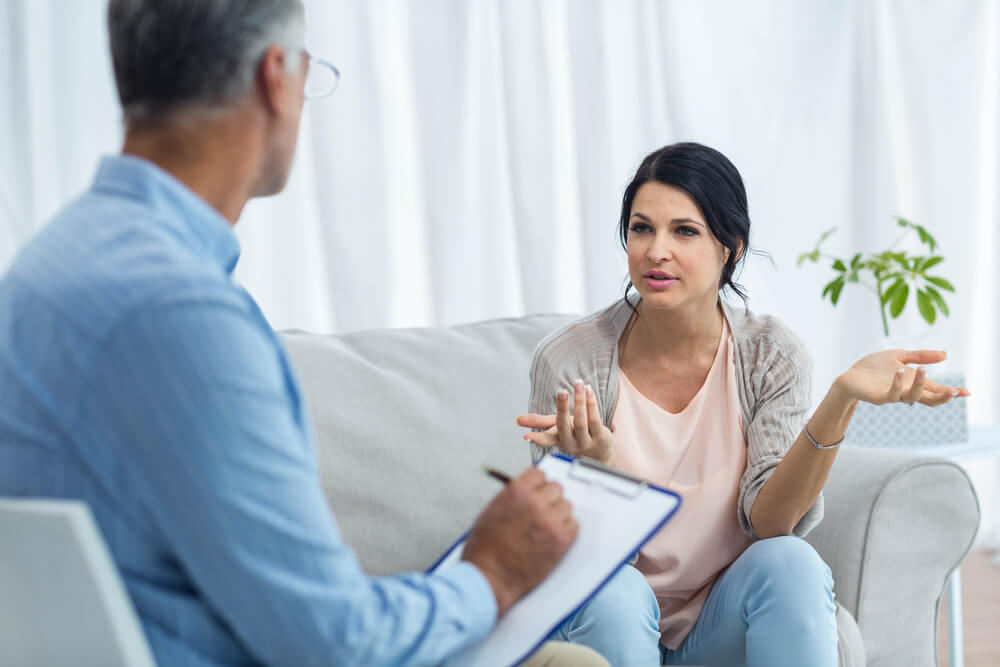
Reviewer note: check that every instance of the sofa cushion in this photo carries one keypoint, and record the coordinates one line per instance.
(404, 420)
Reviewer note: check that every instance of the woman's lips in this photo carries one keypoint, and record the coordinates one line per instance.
(659, 281)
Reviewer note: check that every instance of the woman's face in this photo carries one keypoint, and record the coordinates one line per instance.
(674, 260)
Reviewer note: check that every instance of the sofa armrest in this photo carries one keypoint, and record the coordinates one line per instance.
(896, 525)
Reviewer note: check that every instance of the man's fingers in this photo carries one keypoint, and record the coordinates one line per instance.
(550, 493)
(532, 478)
(563, 509)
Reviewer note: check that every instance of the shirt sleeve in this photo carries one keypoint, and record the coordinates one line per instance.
(782, 377)
(197, 398)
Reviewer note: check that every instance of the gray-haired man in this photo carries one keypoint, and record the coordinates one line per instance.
(139, 379)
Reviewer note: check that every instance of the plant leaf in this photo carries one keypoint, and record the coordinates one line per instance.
(926, 237)
(855, 261)
(940, 282)
(926, 306)
(938, 299)
(838, 265)
(887, 295)
(931, 261)
(835, 293)
(899, 300)
(829, 286)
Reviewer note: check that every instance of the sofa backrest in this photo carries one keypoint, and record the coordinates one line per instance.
(404, 420)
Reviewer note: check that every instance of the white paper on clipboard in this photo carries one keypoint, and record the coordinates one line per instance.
(617, 514)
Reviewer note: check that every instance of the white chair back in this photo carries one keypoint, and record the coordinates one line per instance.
(61, 599)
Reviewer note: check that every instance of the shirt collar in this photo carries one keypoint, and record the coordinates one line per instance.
(199, 225)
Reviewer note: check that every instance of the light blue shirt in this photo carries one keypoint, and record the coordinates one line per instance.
(135, 376)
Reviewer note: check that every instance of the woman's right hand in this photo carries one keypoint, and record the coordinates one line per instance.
(577, 433)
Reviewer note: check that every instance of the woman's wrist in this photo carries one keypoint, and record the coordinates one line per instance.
(829, 423)
(841, 398)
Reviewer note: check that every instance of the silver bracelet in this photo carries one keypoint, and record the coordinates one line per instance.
(805, 429)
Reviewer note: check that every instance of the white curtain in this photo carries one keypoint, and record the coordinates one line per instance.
(471, 163)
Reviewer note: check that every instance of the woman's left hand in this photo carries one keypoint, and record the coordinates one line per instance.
(884, 377)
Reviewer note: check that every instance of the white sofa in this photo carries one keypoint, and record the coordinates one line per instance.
(404, 419)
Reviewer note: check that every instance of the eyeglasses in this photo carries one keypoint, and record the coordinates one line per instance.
(322, 78)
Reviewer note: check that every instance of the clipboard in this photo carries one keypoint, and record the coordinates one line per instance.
(617, 514)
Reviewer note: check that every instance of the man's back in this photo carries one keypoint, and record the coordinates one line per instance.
(140, 380)
(88, 280)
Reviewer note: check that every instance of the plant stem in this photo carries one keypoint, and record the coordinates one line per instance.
(898, 240)
(881, 311)
(871, 287)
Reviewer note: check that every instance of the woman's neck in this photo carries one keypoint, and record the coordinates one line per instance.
(676, 334)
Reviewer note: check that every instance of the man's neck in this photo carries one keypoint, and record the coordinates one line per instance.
(216, 157)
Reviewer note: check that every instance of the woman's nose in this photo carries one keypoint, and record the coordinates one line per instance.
(660, 249)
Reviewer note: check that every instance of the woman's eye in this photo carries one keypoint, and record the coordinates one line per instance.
(687, 231)
(639, 227)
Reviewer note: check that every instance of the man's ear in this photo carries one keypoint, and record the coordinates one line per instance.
(272, 79)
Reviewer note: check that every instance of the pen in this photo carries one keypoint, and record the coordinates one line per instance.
(496, 474)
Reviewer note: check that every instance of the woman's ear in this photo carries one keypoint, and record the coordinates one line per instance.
(739, 252)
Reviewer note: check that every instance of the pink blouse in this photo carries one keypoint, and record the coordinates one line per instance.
(701, 454)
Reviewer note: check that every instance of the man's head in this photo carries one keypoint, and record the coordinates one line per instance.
(187, 62)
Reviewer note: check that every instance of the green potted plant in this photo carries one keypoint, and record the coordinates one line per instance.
(893, 276)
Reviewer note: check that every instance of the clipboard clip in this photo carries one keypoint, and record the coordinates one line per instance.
(590, 471)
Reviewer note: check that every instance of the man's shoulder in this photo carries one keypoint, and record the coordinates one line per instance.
(96, 262)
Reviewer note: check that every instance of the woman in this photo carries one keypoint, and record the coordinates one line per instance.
(677, 386)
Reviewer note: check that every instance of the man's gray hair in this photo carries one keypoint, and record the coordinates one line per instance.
(172, 55)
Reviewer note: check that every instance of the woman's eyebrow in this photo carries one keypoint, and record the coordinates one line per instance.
(678, 221)
(675, 221)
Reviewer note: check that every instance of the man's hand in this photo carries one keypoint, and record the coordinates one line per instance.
(520, 536)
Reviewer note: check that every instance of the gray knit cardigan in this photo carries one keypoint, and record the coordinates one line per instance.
(773, 373)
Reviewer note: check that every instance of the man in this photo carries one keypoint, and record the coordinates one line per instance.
(137, 378)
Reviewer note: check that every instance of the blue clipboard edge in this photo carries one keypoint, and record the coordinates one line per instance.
(614, 571)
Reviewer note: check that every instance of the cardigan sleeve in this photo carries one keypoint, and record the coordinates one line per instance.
(781, 377)
(542, 397)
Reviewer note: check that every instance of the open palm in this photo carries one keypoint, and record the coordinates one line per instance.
(885, 377)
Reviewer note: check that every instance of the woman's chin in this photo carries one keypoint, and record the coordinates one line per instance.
(659, 299)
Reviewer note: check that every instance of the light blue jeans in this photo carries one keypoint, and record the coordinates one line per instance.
(772, 607)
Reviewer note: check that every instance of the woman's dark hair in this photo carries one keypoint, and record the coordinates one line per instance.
(714, 184)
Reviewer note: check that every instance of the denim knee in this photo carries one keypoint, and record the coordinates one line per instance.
(621, 621)
(789, 572)
(626, 600)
